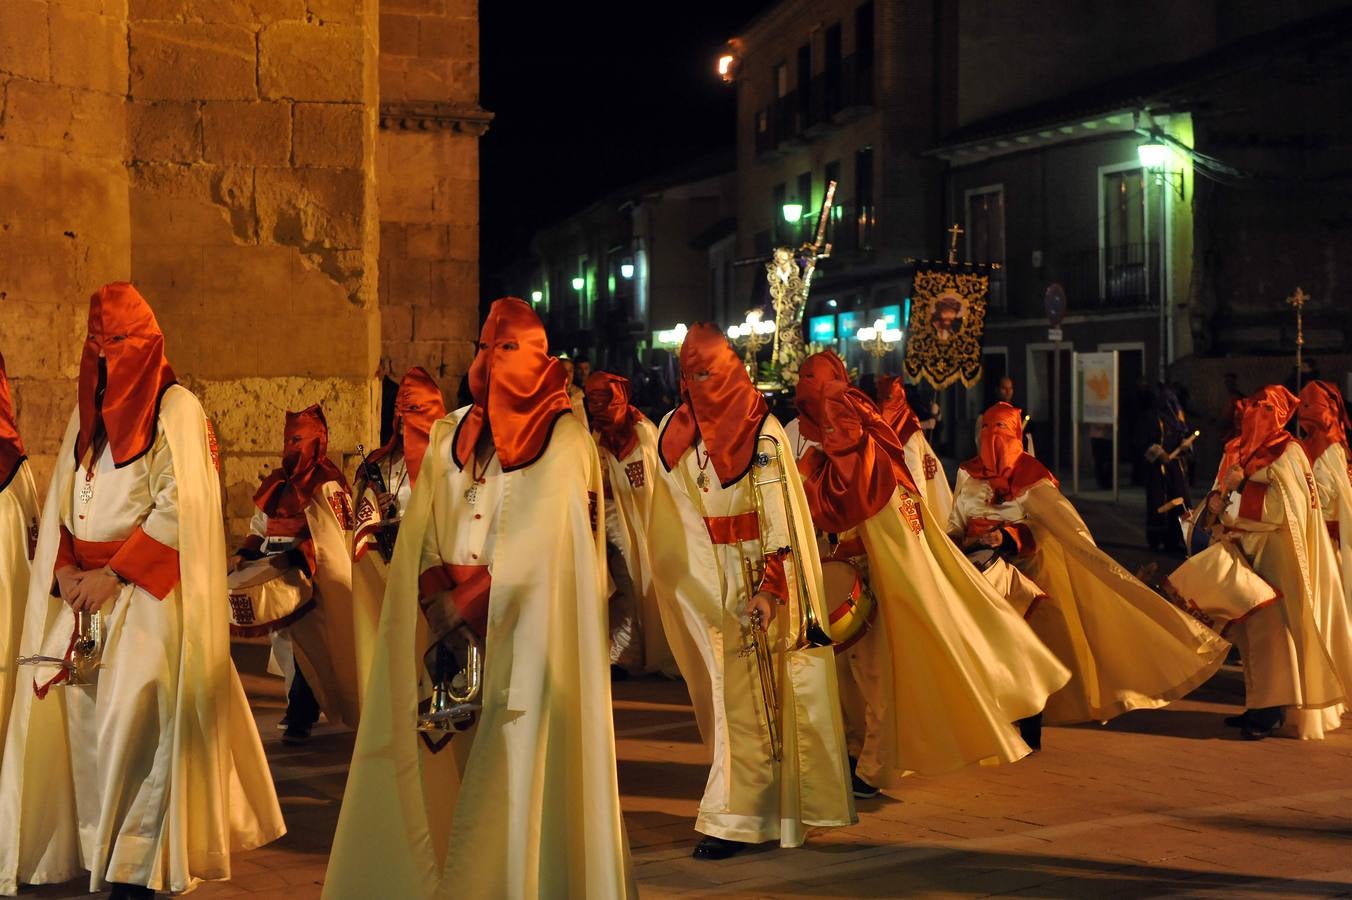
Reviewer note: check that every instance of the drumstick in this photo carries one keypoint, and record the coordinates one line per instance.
(1185, 444)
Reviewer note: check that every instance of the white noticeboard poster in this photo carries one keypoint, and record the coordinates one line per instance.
(1097, 377)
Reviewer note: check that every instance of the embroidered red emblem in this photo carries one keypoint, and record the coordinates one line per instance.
(33, 539)
(1314, 494)
(366, 512)
(241, 609)
(931, 467)
(911, 511)
(341, 504)
(213, 446)
(634, 472)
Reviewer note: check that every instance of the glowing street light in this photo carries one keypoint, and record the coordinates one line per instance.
(536, 296)
(877, 338)
(1153, 154)
(672, 337)
(753, 334)
(579, 283)
(626, 270)
(792, 212)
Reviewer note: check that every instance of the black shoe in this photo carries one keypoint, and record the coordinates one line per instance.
(1256, 732)
(1238, 721)
(618, 673)
(296, 734)
(710, 847)
(862, 789)
(283, 723)
(130, 892)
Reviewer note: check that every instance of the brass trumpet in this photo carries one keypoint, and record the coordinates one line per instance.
(86, 646)
(456, 689)
(810, 632)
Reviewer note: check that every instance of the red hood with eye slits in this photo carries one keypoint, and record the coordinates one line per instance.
(417, 405)
(11, 445)
(133, 373)
(1002, 462)
(519, 390)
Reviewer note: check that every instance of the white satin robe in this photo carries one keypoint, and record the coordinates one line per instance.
(18, 542)
(749, 797)
(155, 774)
(525, 803)
(370, 571)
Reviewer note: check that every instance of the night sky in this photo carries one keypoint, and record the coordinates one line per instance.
(591, 96)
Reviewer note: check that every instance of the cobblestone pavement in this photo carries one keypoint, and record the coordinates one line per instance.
(1160, 802)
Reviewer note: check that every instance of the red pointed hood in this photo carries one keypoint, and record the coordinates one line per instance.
(519, 390)
(1002, 462)
(1262, 433)
(305, 468)
(417, 406)
(120, 392)
(11, 445)
(1323, 418)
(719, 404)
(611, 414)
(896, 409)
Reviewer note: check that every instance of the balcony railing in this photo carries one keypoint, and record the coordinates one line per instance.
(1124, 276)
(816, 105)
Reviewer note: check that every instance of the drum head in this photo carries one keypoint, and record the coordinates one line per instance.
(252, 574)
(849, 601)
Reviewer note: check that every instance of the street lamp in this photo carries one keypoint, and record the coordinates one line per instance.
(792, 212)
(536, 296)
(753, 334)
(1155, 156)
(579, 283)
(878, 339)
(626, 270)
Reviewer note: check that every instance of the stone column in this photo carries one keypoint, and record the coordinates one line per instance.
(253, 214)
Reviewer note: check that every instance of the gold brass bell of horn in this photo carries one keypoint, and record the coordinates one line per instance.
(455, 688)
(86, 647)
(809, 631)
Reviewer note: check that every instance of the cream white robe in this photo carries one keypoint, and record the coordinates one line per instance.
(370, 571)
(631, 482)
(749, 797)
(1331, 479)
(952, 665)
(1125, 645)
(525, 804)
(177, 779)
(18, 541)
(924, 465)
(1297, 652)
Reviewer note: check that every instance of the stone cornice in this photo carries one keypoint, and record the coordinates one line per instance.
(415, 115)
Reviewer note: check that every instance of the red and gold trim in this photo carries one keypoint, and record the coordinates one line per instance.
(733, 529)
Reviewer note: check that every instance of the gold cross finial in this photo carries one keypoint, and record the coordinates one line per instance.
(1298, 299)
(953, 234)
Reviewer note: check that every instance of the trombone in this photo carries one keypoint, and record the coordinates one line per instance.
(810, 632)
(86, 645)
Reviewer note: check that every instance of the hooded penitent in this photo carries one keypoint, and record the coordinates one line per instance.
(305, 468)
(417, 405)
(1002, 462)
(847, 425)
(612, 415)
(1322, 414)
(123, 374)
(11, 445)
(719, 404)
(896, 409)
(1263, 435)
(519, 390)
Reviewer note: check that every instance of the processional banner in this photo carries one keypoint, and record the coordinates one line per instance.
(948, 318)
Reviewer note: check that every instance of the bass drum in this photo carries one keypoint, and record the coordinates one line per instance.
(1218, 587)
(264, 598)
(850, 602)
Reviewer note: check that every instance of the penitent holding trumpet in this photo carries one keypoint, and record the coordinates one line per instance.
(737, 569)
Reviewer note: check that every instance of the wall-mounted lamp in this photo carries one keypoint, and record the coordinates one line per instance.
(1155, 156)
(579, 283)
(536, 296)
(792, 212)
(626, 270)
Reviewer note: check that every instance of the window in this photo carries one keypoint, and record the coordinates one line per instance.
(866, 213)
(1123, 240)
(986, 235)
(832, 73)
(777, 216)
(804, 97)
(857, 83)
(781, 80)
(863, 31)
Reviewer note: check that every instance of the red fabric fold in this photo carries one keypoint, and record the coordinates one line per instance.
(612, 415)
(417, 406)
(147, 563)
(120, 392)
(719, 405)
(1323, 419)
(11, 445)
(1002, 462)
(1251, 499)
(1262, 435)
(861, 462)
(896, 409)
(305, 468)
(469, 587)
(519, 390)
(733, 529)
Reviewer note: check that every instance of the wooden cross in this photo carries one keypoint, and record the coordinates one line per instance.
(953, 234)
